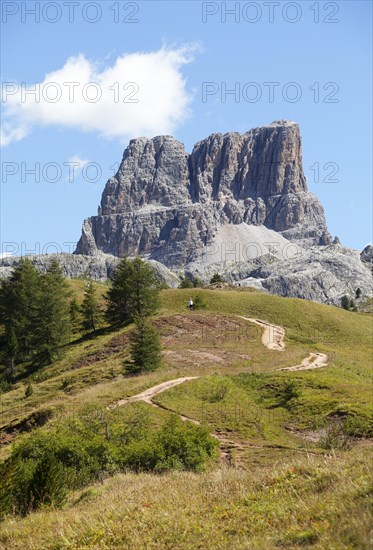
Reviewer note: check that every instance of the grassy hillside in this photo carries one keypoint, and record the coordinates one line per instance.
(294, 469)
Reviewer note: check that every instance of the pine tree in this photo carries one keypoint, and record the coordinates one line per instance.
(186, 282)
(11, 350)
(54, 327)
(358, 293)
(75, 316)
(346, 302)
(29, 390)
(216, 278)
(118, 296)
(134, 291)
(197, 282)
(145, 347)
(90, 308)
(19, 298)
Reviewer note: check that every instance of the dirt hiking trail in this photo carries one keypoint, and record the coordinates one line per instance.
(152, 392)
(272, 338)
(273, 335)
(313, 361)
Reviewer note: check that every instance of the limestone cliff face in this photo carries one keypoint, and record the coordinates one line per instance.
(167, 205)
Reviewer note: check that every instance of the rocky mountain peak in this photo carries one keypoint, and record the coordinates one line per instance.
(167, 204)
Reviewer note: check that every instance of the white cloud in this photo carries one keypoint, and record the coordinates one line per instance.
(11, 133)
(91, 98)
(77, 162)
(75, 167)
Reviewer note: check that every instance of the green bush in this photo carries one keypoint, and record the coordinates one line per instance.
(216, 278)
(287, 392)
(185, 444)
(346, 302)
(32, 477)
(29, 391)
(186, 282)
(199, 303)
(176, 446)
(358, 426)
(215, 390)
(44, 466)
(5, 386)
(197, 282)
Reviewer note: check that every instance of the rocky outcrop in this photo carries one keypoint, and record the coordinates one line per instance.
(322, 274)
(98, 268)
(366, 256)
(166, 205)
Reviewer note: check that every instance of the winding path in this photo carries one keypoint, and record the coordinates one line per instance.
(155, 390)
(273, 335)
(272, 338)
(313, 361)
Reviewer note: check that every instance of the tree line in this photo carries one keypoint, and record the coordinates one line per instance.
(39, 313)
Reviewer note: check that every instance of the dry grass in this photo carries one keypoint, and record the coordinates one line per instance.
(321, 502)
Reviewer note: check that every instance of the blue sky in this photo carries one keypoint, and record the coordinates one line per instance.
(175, 52)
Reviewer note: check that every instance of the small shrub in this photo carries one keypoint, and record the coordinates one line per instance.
(186, 282)
(29, 391)
(216, 278)
(176, 446)
(336, 436)
(5, 386)
(32, 479)
(65, 384)
(199, 303)
(214, 391)
(197, 282)
(358, 426)
(287, 393)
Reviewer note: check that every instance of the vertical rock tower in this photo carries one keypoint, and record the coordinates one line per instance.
(168, 205)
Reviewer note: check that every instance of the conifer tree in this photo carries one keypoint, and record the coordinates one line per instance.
(145, 347)
(186, 282)
(11, 350)
(90, 308)
(53, 328)
(75, 316)
(216, 278)
(19, 299)
(346, 302)
(134, 291)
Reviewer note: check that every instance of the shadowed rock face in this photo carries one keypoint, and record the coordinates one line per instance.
(167, 205)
